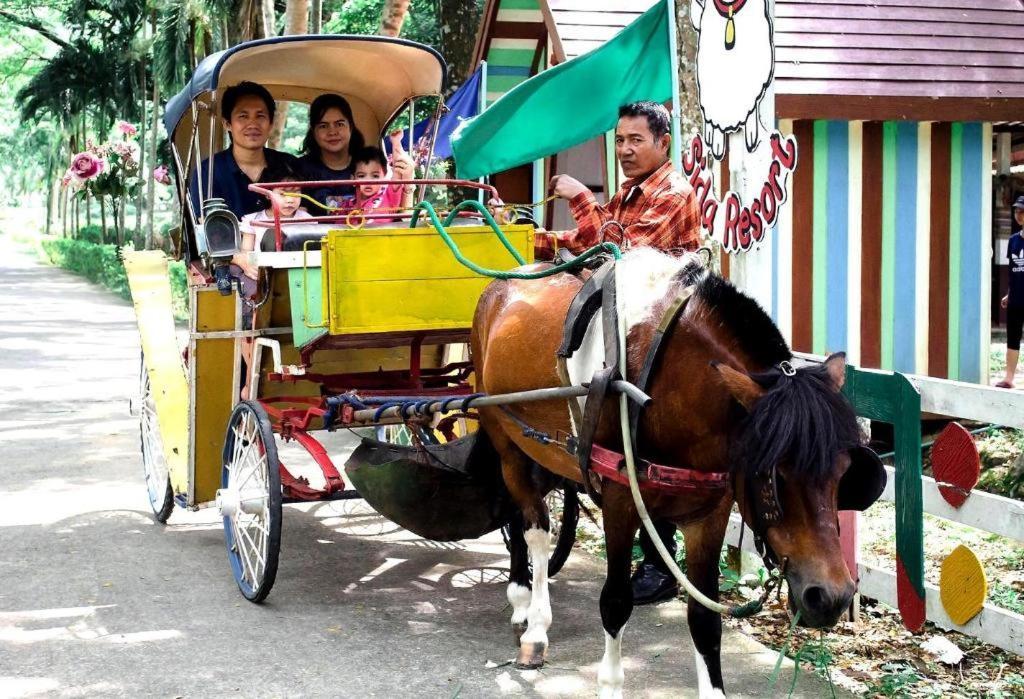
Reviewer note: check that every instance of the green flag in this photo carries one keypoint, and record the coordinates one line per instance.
(570, 103)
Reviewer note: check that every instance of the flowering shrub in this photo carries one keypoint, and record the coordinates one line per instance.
(108, 169)
(161, 174)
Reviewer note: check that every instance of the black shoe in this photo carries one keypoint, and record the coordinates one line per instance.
(651, 585)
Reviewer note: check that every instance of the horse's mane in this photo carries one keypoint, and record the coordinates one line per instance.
(801, 419)
(741, 316)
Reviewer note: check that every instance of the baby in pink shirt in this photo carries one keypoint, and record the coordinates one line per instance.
(370, 163)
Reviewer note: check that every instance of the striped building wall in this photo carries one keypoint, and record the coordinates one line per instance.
(510, 60)
(885, 249)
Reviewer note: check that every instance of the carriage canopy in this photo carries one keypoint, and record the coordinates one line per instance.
(377, 75)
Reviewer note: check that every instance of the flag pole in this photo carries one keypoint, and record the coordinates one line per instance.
(481, 101)
(673, 47)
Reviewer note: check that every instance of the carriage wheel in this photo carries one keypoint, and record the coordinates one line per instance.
(154, 464)
(250, 500)
(564, 511)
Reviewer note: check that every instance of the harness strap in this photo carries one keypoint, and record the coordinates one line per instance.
(668, 321)
(588, 429)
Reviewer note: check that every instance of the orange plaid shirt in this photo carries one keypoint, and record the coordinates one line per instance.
(660, 211)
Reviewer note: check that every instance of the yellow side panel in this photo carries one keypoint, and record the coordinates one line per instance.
(151, 295)
(398, 279)
(214, 389)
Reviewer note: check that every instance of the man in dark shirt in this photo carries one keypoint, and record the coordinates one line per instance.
(248, 112)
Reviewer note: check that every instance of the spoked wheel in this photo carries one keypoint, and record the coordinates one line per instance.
(154, 464)
(250, 500)
(564, 512)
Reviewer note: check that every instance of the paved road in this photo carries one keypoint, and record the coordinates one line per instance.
(97, 600)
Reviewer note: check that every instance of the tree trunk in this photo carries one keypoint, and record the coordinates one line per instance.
(267, 17)
(316, 16)
(151, 157)
(143, 160)
(119, 210)
(49, 190)
(690, 116)
(88, 208)
(103, 219)
(392, 17)
(457, 22)
(296, 15)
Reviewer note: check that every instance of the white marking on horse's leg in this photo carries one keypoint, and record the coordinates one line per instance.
(519, 598)
(610, 675)
(704, 688)
(538, 616)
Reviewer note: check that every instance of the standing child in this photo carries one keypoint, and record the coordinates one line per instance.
(370, 163)
(1013, 302)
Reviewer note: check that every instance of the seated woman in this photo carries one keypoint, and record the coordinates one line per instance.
(248, 112)
(327, 150)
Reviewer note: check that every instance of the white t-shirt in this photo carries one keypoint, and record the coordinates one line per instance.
(246, 224)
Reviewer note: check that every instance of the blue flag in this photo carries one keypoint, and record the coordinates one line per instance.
(463, 104)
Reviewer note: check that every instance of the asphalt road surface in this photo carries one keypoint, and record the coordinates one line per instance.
(96, 600)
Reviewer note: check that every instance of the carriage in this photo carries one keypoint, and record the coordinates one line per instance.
(353, 314)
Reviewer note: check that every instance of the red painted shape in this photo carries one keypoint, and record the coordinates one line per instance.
(848, 541)
(909, 600)
(668, 479)
(322, 459)
(955, 463)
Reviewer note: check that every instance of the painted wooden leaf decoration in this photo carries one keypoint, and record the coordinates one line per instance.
(962, 585)
(955, 463)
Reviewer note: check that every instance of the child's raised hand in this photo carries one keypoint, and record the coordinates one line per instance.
(396, 142)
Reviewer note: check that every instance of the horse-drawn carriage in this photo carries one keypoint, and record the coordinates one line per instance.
(350, 312)
(362, 323)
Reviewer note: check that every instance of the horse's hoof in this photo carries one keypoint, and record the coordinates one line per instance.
(531, 656)
(519, 630)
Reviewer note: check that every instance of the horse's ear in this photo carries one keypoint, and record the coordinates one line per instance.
(743, 388)
(836, 367)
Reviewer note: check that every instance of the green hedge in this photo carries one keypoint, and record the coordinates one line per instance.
(101, 264)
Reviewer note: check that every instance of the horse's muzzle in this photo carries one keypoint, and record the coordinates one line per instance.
(820, 605)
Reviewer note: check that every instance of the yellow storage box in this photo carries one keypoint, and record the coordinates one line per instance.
(406, 279)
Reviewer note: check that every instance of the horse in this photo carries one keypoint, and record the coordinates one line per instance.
(725, 400)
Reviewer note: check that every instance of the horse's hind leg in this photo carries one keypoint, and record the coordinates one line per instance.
(703, 546)
(526, 484)
(617, 595)
(519, 576)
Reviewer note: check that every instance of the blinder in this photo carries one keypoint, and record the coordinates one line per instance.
(864, 480)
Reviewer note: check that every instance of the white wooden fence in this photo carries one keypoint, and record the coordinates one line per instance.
(990, 513)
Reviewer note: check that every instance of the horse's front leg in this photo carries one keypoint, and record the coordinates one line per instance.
(703, 549)
(620, 526)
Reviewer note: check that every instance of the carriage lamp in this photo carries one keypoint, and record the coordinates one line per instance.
(220, 232)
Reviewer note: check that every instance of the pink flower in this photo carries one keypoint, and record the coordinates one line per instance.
(127, 129)
(71, 181)
(86, 165)
(161, 174)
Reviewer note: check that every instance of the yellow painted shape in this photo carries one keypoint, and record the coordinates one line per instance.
(151, 296)
(962, 585)
(214, 390)
(400, 279)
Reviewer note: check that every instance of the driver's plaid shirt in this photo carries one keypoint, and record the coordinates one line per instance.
(660, 211)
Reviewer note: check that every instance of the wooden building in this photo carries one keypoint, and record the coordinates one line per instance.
(886, 250)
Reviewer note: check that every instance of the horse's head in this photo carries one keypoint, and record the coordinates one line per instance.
(798, 460)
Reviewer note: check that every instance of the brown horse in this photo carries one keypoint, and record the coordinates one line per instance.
(721, 403)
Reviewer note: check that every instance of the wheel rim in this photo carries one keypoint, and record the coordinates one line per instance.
(153, 461)
(245, 501)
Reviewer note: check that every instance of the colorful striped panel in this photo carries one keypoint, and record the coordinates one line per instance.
(888, 225)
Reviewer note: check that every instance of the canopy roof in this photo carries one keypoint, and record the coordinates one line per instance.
(377, 75)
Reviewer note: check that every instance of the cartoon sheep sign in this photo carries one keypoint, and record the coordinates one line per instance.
(735, 65)
(735, 62)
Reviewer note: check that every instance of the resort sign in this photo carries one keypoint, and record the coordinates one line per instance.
(735, 65)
